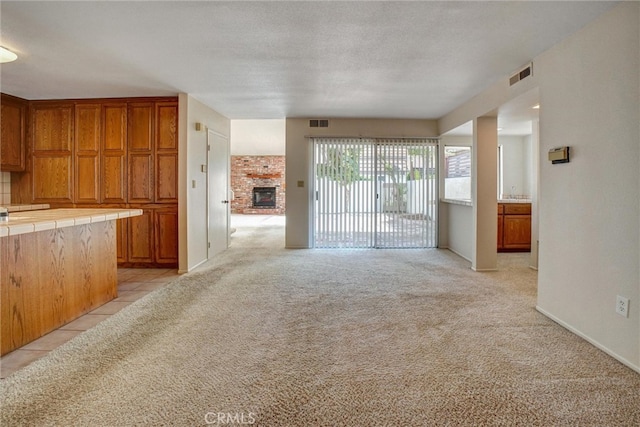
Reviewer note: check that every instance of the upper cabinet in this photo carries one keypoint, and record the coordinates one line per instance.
(141, 121)
(166, 153)
(113, 161)
(13, 127)
(88, 125)
(52, 152)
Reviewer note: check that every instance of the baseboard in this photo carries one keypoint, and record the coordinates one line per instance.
(193, 268)
(484, 270)
(589, 340)
(455, 252)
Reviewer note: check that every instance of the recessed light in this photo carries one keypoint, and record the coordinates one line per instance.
(6, 55)
(536, 107)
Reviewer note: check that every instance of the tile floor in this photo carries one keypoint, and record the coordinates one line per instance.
(133, 284)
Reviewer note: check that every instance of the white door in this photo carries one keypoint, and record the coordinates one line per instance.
(218, 192)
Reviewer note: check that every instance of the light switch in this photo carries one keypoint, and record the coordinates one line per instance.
(300, 183)
(193, 183)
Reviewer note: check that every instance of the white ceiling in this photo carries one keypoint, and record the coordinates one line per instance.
(264, 60)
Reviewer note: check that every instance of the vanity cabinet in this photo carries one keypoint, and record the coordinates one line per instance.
(514, 227)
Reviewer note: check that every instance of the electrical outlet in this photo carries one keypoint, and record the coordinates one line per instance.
(622, 306)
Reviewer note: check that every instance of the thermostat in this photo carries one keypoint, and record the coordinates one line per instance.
(559, 155)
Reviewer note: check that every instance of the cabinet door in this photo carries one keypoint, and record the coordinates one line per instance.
(122, 226)
(500, 231)
(140, 122)
(166, 177)
(517, 232)
(140, 238)
(114, 153)
(13, 115)
(140, 178)
(166, 234)
(87, 149)
(52, 133)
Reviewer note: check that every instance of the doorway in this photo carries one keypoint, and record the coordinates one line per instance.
(375, 193)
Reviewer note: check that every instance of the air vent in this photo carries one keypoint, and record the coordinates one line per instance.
(521, 75)
(319, 123)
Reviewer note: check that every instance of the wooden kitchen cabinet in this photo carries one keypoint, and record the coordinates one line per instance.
(113, 172)
(514, 227)
(500, 226)
(166, 153)
(166, 235)
(52, 156)
(150, 239)
(108, 153)
(122, 231)
(13, 130)
(88, 129)
(140, 125)
(140, 238)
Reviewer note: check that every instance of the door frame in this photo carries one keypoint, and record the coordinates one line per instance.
(376, 143)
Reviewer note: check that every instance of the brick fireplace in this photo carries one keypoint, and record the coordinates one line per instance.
(251, 175)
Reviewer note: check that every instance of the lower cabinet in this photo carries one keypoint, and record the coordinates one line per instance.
(149, 240)
(514, 227)
(166, 236)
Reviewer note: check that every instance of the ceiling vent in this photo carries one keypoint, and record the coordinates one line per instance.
(318, 123)
(521, 75)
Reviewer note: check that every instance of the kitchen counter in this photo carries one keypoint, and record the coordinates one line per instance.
(18, 208)
(57, 264)
(514, 201)
(22, 222)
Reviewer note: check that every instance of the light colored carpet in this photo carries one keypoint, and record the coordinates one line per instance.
(279, 337)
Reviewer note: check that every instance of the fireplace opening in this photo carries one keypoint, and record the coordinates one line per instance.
(264, 197)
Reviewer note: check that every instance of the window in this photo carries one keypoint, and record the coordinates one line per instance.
(457, 173)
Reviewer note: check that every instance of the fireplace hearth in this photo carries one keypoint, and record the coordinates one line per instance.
(264, 197)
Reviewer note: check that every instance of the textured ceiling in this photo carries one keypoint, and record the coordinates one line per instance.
(261, 60)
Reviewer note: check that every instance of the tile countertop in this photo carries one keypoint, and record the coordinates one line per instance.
(17, 208)
(514, 201)
(31, 221)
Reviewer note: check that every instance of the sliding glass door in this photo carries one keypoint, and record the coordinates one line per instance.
(375, 193)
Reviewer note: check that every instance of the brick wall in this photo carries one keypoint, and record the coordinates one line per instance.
(257, 171)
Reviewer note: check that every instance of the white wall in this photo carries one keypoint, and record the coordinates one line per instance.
(589, 209)
(459, 230)
(455, 222)
(192, 210)
(257, 137)
(516, 156)
(300, 160)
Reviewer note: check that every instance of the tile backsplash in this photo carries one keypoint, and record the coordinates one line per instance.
(5, 188)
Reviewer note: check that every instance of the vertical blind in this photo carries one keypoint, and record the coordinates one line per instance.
(375, 193)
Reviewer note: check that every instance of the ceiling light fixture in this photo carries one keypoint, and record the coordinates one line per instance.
(6, 55)
(536, 107)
